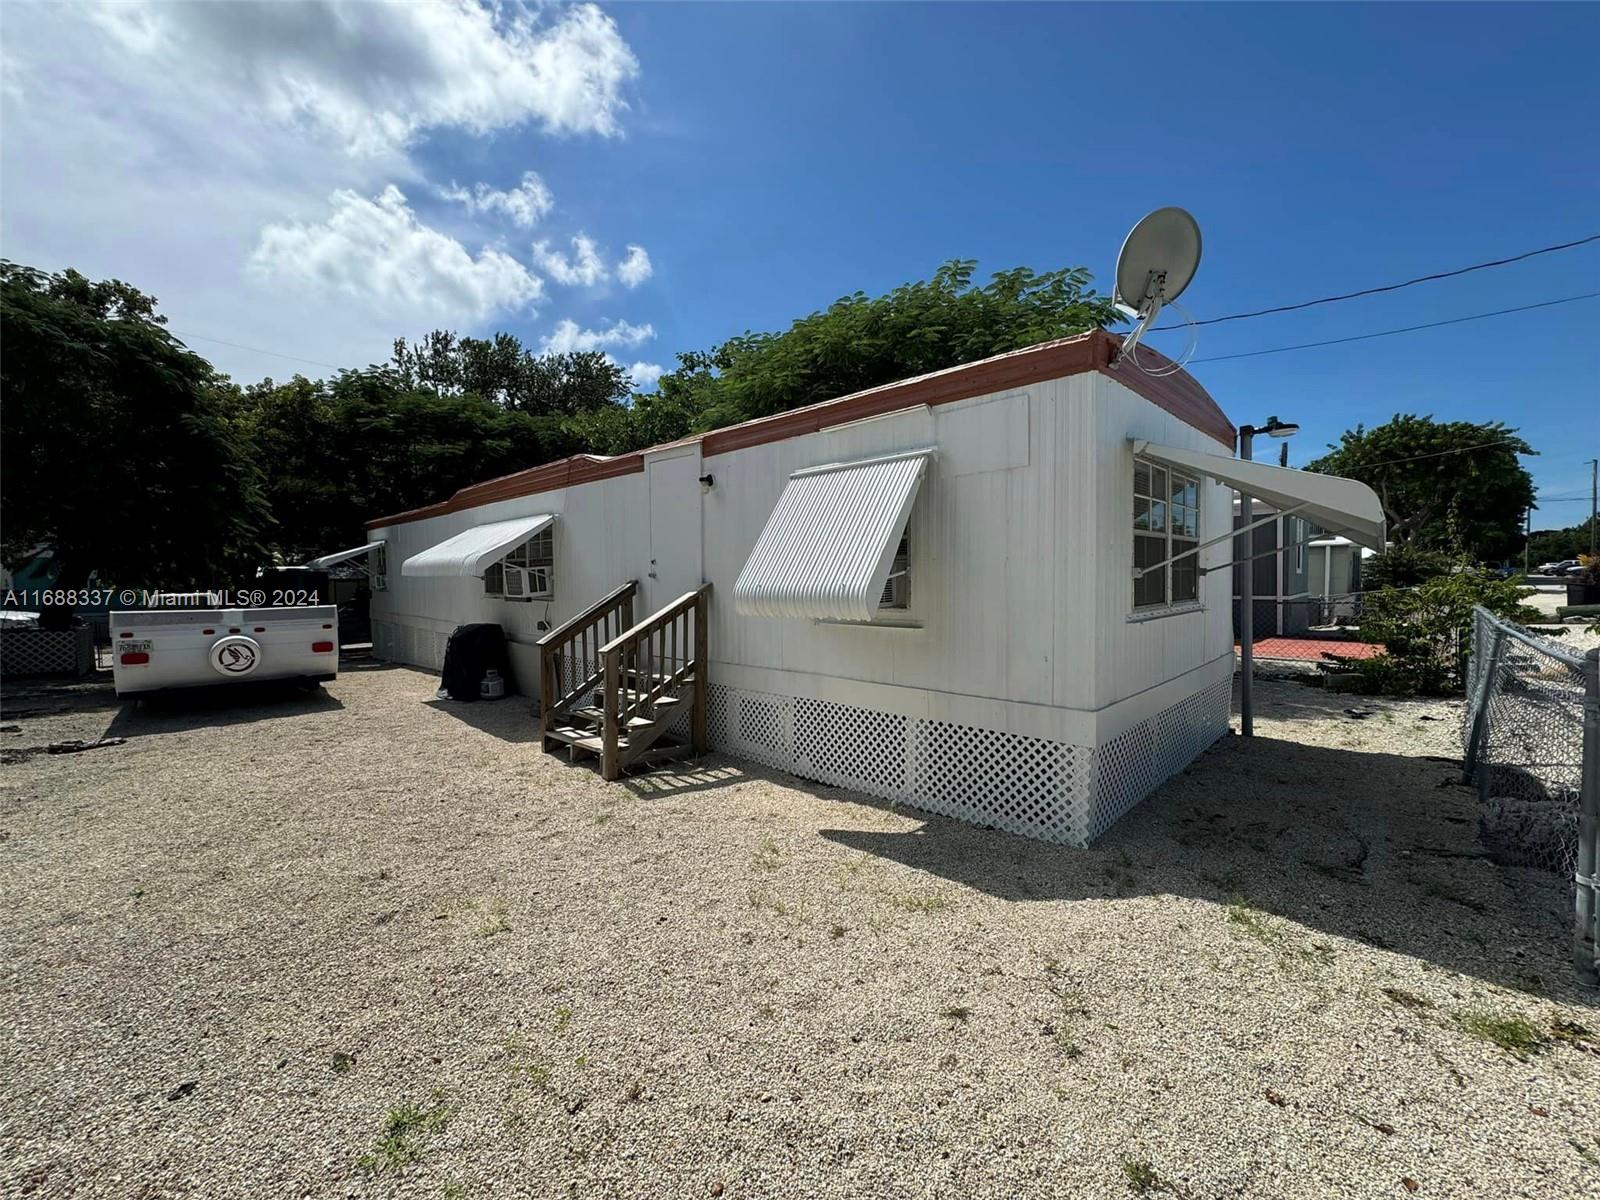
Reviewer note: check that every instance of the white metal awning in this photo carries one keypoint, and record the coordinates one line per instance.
(471, 550)
(830, 543)
(339, 556)
(1341, 506)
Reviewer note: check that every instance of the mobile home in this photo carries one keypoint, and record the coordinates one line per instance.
(975, 592)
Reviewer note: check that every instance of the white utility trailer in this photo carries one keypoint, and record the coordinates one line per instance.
(168, 648)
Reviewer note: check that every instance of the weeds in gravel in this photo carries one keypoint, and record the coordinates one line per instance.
(1407, 999)
(399, 1145)
(494, 921)
(764, 901)
(1144, 1180)
(523, 1063)
(1254, 923)
(769, 857)
(1509, 1031)
(838, 931)
(563, 1017)
(918, 902)
(957, 1012)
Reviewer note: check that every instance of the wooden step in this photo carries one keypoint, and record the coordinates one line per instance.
(595, 715)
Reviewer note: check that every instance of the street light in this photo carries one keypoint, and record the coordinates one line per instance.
(1247, 600)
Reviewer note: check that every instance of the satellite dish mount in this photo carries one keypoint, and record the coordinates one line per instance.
(1157, 261)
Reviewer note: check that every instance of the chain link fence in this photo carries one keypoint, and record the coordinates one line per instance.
(1531, 730)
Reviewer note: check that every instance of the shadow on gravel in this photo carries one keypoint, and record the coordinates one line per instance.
(510, 718)
(201, 708)
(679, 779)
(1378, 848)
(49, 697)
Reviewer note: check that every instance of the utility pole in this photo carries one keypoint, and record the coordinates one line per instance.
(1527, 537)
(1247, 589)
(1594, 494)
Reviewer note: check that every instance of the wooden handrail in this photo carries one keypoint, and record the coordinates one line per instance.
(656, 619)
(586, 629)
(564, 631)
(652, 659)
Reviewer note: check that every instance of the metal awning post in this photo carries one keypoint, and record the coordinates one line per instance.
(1141, 572)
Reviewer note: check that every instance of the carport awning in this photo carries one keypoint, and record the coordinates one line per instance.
(828, 548)
(339, 556)
(471, 550)
(1341, 506)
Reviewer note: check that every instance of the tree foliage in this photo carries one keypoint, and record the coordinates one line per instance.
(501, 370)
(217, 473)
(116, 451)
(1426, 630)
(1558, 545)
(860, 342)
(1454, 486)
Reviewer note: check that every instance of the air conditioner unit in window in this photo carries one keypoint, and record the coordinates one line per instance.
(516, 583)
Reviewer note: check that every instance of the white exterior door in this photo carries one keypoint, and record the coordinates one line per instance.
(675, 562)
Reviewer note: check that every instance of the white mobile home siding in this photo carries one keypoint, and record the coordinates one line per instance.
(1027, 696)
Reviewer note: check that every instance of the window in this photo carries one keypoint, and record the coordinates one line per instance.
(526, 572)
(897, 590)
(1166, 522)
(378, 569)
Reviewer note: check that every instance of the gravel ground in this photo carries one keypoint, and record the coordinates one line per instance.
(370, 944)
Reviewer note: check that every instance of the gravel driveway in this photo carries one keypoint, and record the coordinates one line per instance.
(370, 944)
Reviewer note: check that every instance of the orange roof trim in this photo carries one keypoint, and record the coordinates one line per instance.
(1179, 393)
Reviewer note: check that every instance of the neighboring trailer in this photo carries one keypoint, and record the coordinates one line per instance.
(167, 648)
(925, 591)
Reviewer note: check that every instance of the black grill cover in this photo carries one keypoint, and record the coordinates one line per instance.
(469, 654)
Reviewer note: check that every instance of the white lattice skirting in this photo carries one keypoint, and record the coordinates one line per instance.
(26, 652)
(1031, 786)
(1026, 785)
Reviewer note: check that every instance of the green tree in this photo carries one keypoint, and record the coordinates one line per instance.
(1426, 630)
(338, 452)
(1445, 485)
(501, 370)
(1557, 545)
(116, 450)
(860, 342)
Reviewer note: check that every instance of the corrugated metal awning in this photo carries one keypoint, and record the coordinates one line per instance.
(339, 556)
(830, 543)
(471, 550)
(1342, 506)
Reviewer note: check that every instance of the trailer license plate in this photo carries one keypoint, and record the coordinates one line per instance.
(134, 647)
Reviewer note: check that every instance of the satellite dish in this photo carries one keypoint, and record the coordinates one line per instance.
(1157, 261)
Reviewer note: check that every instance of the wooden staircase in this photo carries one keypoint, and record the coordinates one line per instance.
(612, 689)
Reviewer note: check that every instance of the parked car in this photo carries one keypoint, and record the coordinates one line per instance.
(1569, 566)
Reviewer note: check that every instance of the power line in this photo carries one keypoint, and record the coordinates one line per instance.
(1361, 337)
(1390, 287)
(257, 350)
(1389, 462)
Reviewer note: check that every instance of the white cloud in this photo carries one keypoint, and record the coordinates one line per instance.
(377, 75)
(644, 375)
(636, 268)
(567, 337)
(189, 150)
(524, 205)
(377, 251)
(584, 267)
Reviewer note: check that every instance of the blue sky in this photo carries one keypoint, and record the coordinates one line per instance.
(766, 159)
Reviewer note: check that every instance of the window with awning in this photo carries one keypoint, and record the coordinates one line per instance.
(1345, 507)
(834, 540)
(472, 551)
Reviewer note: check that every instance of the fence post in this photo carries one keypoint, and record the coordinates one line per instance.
(1480, 699)
(1583, 946)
